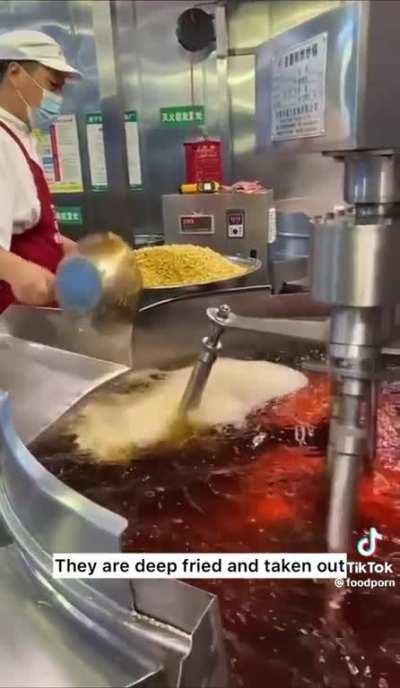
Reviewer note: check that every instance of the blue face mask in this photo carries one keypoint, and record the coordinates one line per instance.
(47, 112)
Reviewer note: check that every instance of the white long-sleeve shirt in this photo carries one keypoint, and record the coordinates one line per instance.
(19, 203)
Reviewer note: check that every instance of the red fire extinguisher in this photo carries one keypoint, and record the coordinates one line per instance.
(203, 161)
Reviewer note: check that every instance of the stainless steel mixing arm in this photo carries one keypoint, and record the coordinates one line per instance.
(203, 366)
(310, 330)
(222, 318)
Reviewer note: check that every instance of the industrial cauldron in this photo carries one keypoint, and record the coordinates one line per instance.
(173, 625)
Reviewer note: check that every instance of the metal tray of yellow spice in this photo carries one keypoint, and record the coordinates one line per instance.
(249, 265)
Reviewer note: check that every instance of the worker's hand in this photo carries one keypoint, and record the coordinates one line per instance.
(70, 247)
(32, 284)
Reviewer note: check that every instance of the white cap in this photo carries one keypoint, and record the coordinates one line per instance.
(36, 47)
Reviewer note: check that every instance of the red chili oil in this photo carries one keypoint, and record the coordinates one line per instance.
(264, 490)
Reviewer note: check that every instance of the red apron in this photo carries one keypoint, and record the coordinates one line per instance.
(42, 244)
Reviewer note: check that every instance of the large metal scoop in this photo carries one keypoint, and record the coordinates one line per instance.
(102, 278)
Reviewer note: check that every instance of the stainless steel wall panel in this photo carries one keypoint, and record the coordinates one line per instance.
(249, 23)
(153, 71)
(157, 73)
(242, 93)
(286, 14)
(71, 24)
(112, 108)
(342, 26)
(252, 22)
(301, 181)
(223, 103)
(131, 60)
(126, 40)
(361, 88)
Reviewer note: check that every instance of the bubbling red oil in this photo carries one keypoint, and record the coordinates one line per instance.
(264, 489)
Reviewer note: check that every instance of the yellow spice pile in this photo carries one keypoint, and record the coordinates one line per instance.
(180, 264)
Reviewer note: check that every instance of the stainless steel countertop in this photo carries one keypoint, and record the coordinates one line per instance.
(41, 646)
(44, 381)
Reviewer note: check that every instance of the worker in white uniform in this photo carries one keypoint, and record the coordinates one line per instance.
(33, 72)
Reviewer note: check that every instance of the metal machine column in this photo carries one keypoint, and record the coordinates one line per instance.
(355, 270)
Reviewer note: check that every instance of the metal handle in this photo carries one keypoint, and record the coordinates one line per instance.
(203, 366)
(309, 330)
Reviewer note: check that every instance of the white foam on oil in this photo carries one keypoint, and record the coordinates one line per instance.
(108, 427)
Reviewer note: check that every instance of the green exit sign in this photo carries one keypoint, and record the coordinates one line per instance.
(94, 118)
(131, 116)
(69, 215)
(182, 116)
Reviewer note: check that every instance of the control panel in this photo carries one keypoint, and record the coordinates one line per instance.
(196, 224)
(235, 227)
